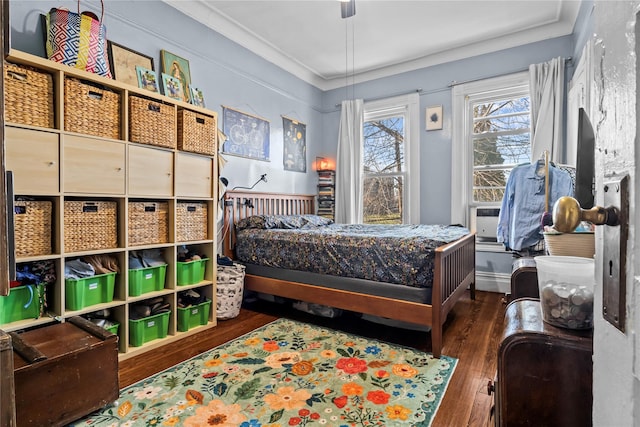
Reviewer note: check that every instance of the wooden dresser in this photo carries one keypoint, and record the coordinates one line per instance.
(545, 374)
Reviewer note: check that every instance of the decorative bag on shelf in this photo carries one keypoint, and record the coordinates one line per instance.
(78, 40)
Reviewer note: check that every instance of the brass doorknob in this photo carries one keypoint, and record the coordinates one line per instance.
(567, 215)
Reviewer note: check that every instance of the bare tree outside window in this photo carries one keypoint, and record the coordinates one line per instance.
(501, 140)
(383, 170)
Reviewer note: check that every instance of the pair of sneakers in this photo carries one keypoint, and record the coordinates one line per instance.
(148, 308)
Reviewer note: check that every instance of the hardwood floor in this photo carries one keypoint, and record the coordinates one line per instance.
(472, 334)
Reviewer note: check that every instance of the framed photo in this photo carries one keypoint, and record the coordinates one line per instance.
(147, 79)
(177, 68)
(247, 135)
(172, 87)
(434, 117)
(295, 145)
(123, 62)
(197, 98)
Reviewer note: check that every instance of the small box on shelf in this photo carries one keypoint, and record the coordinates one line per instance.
(191, 272)
(148, 328)
(88, 291)
(144, 280)
(195, 315)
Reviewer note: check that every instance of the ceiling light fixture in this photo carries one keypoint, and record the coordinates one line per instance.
(348, 8)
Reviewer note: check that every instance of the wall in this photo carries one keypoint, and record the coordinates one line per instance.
(227, 73)
(230, 75)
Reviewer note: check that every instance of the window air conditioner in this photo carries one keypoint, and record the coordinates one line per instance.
(486, 222)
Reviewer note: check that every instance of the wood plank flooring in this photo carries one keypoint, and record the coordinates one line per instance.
(472, 334)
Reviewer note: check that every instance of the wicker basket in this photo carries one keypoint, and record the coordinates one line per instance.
(90, 109)
(191, 221)
(32, 227)
(571, 244)
(28, 96)
(152, 122)
(90, 225)
(148, 223)
(229, 290)
(197, 132)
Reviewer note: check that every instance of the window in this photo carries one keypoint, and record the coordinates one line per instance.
(389, 179)
(491, 136)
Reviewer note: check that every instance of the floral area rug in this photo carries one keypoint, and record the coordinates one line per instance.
(288, 373)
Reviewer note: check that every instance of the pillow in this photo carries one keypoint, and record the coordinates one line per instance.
(266, 222)
(316, 220)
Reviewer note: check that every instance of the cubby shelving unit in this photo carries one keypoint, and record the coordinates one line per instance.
(57, 165)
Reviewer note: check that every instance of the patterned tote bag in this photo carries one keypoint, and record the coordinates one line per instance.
(78, 40)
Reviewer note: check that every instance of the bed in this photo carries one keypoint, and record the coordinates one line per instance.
(451, 271)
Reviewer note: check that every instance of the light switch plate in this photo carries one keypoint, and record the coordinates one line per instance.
(616, 194)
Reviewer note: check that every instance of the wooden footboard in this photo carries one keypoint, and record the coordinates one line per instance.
(454, 271)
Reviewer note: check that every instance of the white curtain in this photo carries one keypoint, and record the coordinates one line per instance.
(547, 98)
(348, 159)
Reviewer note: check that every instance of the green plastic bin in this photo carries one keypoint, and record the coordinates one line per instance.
(143, 280)
(81, 293)
(193, 316)
(23, 302)
(114, 328)
(192, 272)
(148, 329)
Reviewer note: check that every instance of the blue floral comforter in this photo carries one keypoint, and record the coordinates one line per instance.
(399, 254)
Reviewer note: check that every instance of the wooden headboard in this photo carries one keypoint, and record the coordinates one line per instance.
(242, 204)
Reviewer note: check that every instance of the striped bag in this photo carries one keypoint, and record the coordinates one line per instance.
(78, 40)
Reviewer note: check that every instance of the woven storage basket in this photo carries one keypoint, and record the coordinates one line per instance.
(229, 290)
(197, 132)
(32, 227)
(571, 244)
(152, 122)
(191, 221)
(148, 223)
(90, 225)
(91, 110)
(28, 96)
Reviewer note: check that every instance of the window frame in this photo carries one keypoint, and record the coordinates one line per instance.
(408, 106)
(463, 95)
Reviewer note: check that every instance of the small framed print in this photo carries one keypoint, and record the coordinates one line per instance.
(147, 79)
(434, 117)
(123, 62)
(197, 98)
(172, 87)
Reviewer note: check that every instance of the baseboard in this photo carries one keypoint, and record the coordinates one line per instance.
(493, 282)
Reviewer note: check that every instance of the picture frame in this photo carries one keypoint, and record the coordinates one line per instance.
(247, 135)
(147, 79)
(178, 68)
(294, 155)
(197, 98)
(172, 87)
(433, 117)
(123, 62)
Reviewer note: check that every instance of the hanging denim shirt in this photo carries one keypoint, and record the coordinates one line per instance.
(520, 218)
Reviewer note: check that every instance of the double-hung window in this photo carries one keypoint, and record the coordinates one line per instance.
(491, 136)
(390, 166)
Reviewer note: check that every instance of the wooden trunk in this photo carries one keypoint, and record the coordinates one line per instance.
(545, 374)
(63, 372)
(524, 279)
(7, 400)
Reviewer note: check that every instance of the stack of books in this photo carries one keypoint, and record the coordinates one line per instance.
(326, 193)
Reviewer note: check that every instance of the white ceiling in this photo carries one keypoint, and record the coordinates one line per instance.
(310, 39)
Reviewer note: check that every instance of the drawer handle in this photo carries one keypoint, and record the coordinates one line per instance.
(491, 388)
(200, 120)
(17, 76)
(20, 210)
(95, 95)
(150, 208)
(88, 207)
(155, 108)
(191, 208)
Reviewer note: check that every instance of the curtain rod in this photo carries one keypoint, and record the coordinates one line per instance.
(455, 83)
(419, 90)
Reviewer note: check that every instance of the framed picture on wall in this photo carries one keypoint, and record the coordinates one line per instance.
(123, 62)
(247, 135)
(177, 68)
(434, 117)
(294, 156)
